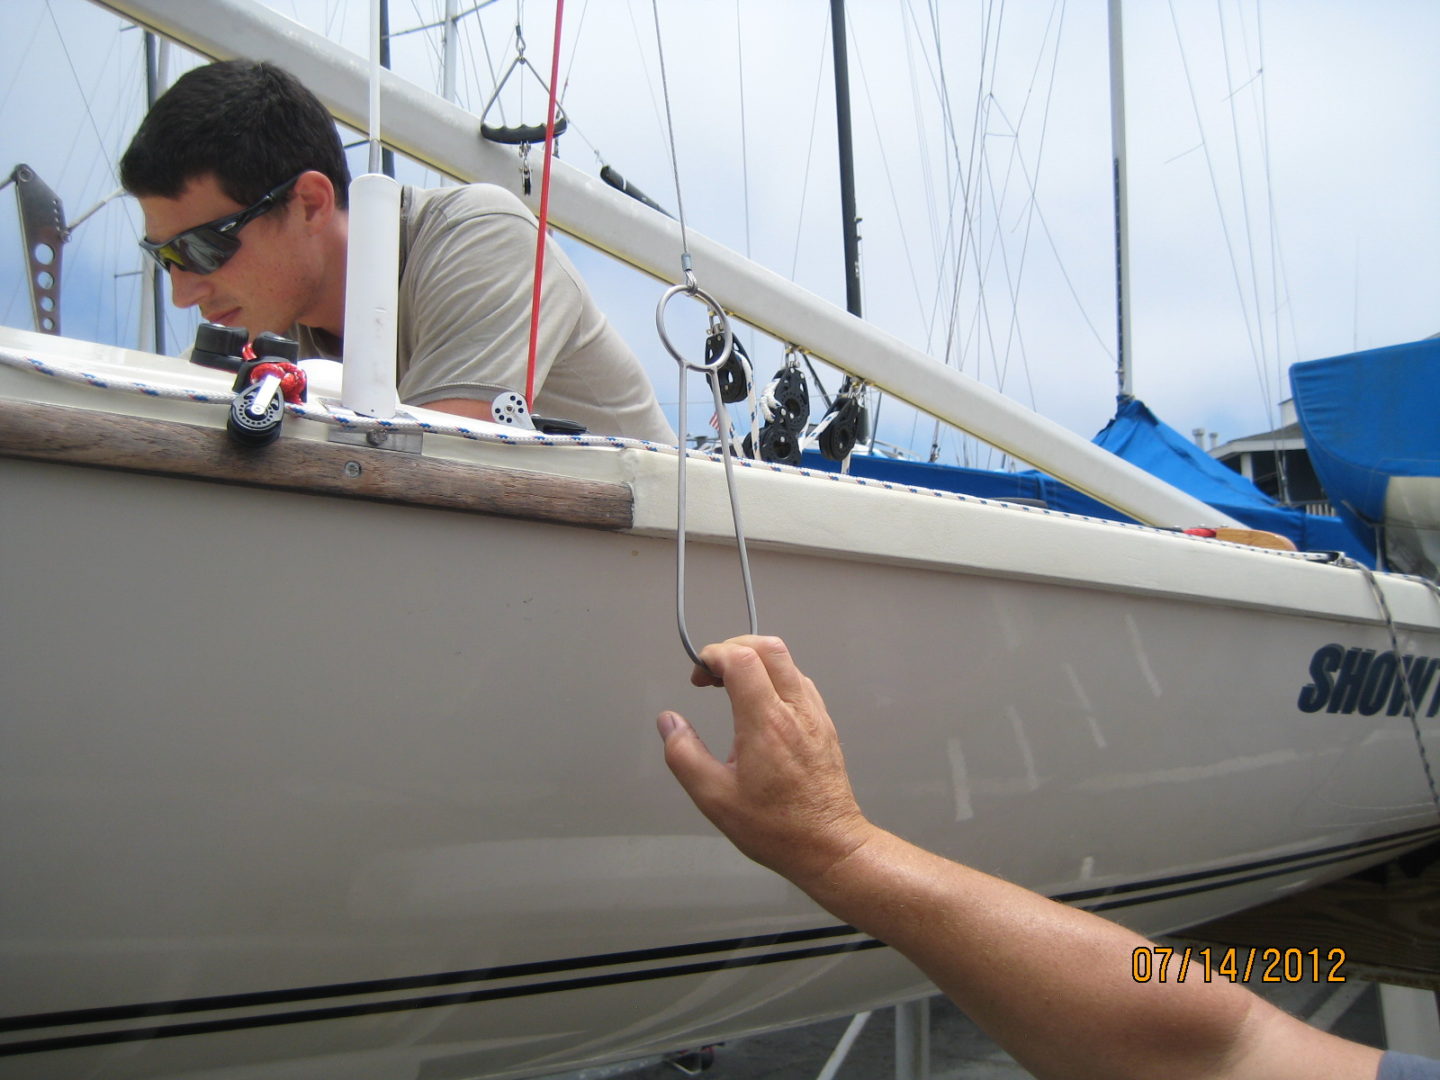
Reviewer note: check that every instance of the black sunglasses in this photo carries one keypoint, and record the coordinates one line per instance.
(206, 248)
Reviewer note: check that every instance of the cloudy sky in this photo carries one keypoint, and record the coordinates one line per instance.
(1284, 175)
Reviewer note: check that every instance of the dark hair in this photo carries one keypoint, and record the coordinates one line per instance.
(251, 124)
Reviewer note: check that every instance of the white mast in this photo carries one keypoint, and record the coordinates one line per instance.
(1122, 224)
(450, 46)
(152, 292)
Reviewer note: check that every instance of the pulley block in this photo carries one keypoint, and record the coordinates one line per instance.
(734, 380)
(791, 399)
(778, 445)
(509, 408)
(847, 424)
(256, 412)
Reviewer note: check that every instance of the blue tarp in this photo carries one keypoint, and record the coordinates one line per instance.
(1139, 437)
(1136, 435)
(1368, 416)
(985, 483)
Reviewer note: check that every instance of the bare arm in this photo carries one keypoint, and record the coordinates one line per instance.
(1051, 984)
(474, 408)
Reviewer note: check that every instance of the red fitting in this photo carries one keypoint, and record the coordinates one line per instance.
(292, 379)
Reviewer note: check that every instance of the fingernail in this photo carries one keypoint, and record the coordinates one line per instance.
(668, 724)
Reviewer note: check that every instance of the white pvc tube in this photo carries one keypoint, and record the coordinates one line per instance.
(372, 296)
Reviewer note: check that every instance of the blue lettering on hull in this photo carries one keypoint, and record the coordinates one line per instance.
(1361, 680)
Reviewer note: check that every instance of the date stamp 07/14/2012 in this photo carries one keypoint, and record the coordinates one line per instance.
(1162, 963)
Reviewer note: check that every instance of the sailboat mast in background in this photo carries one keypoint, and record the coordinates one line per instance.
(1122, 225)
(152, 306)
(850, 223)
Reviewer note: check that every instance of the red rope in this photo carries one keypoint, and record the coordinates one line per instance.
(544, 211)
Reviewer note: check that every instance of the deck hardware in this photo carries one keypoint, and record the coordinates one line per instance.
(843, 426)
(399, 442)
(786, 407)
(42, 225)
(734, 373)
(509, 408)
(522, 135)
(256, 413)
(710, 368)
(219, 347)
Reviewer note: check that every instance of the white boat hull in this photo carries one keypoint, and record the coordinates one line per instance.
(305, 786)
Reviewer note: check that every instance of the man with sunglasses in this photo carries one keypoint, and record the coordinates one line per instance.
(244, 185)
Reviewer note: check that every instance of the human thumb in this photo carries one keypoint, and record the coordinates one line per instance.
(686, 754)
(671, 723)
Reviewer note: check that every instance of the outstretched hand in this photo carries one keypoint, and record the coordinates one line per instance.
(783, 798)
(1048, 982)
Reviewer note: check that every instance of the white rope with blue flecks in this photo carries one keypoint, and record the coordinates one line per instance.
(336, 416)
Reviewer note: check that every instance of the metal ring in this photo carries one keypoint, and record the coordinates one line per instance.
(691, 289)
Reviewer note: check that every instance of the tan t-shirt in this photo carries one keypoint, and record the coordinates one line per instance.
(467, 268)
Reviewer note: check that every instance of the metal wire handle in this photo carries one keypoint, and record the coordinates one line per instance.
(711, 371)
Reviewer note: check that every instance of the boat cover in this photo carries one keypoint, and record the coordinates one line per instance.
(1142, 439)
(1369, 417)
(1145, 441)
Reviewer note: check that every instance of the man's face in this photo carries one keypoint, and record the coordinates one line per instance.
(266, 285)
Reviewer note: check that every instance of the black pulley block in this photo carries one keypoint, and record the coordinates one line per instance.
(256, 413)
(779, 445)
(793, 398)
(849, 425)
(734, 385)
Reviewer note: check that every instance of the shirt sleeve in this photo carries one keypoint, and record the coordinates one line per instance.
(466, 300)
(1395, 1066)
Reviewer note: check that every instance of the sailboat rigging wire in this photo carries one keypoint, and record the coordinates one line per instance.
(1012, 281)
(744, 154)
(962, 182)
(1273, 237)
(712, 371)
(809, 150)
(1032, 184)
(544, 217)
(374, 109)
(579, 28)
(1214, 184)
(675, 163)
(1276, 264)
(889, 177)
(489, 63)
(435, 24)
(966, 181)
(642, 58)
(1261, 359)
(17, 70)
(1402, 677)
(89, 114)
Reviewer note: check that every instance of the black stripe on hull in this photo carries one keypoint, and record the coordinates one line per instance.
(498, 993)
(412, 982)
(1209, 880)
(1107, 898)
